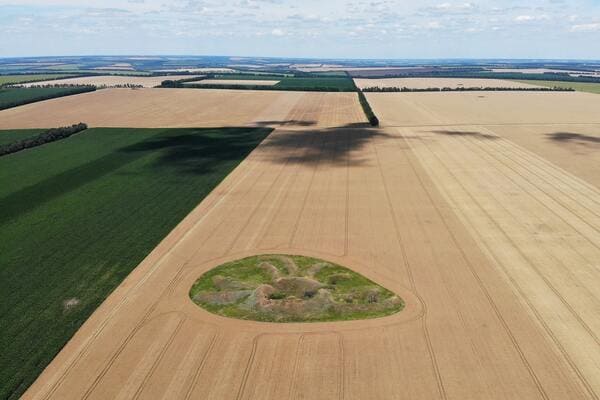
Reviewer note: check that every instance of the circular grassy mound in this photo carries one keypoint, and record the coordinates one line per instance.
(281, 288)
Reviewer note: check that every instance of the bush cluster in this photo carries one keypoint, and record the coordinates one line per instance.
(48, 136)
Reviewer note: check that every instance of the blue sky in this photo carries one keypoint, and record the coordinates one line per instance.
(307, 28)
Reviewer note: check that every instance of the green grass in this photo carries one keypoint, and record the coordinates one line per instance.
(13, 97)
(77, 215)
(579, 86)
(349, 290)
(14, 79)
(12, 136)
(333, 84)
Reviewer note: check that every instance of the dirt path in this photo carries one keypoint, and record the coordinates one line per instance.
(494, 258)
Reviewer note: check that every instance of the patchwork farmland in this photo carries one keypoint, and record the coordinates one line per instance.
(480, 211)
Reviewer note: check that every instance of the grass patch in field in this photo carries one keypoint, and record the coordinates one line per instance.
(579, 86)
(77, 215)
(13, 97)
(15, 79)
(281, 288)
(15, 135)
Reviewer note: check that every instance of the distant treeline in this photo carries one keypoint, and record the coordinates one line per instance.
(169, 83)
(373, 120)
(177, 84)
(269, 87)
(78, 85)
(467, 89)
(46, 78)
(48, 136)
(16, 98)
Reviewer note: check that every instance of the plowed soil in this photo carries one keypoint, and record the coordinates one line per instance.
(494, 248)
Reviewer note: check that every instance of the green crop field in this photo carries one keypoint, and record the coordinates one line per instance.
(14, 79)
(77, 215)
(249, 77)
(579, 86)
(329, 84)
(11, 136)
(13, 97)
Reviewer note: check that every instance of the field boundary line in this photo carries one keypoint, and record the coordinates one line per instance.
(546, 194)
(157, 361)
(482, 286)
(69, 364)
(400, 241)
(567, 177)
(196, 375)
(551, 255)
(516, 285)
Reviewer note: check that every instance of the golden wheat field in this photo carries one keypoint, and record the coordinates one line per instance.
(481, 210)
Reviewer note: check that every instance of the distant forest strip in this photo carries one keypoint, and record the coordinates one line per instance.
(300, 82)
(13, 97)
(378, 89)
(578, 86)
(51, 135)
(305, 88)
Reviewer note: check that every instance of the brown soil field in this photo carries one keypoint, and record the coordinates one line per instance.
(493, 247)
(150, 108)
(110, 80)
(235, 82)
(425, 83)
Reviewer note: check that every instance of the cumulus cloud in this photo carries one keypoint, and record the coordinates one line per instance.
(593, 27)
(336, 27)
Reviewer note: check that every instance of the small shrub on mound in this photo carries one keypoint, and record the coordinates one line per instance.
(278, 288)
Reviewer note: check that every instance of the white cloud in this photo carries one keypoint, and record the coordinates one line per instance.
(258, 25)
(595, 27)
(531, 18)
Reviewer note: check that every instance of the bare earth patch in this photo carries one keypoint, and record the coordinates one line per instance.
(278, 288)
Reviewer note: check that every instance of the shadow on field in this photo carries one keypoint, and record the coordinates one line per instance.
(184, 151)
(474, 134)
(330, 146)
(286, 123)
(200, 153)
(578, 138)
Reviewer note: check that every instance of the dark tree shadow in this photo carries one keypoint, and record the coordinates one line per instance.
(466, 133)
(200, 152)
(285, 123)
(330, 146)
(578, 138)
(185, 151)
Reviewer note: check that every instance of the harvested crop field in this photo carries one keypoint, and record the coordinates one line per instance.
(426, 83)
(153, 108)
(236, 82)
(111, 80)
(492, 247)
